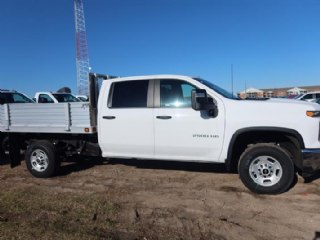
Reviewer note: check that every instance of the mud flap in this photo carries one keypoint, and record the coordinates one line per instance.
(311, 164)
(2, 151)
(14, 149)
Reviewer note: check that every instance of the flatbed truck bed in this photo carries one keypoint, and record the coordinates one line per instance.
(73, 118)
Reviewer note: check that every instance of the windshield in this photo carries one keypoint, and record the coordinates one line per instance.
(65, 97)
(11, 97)
(216, 88)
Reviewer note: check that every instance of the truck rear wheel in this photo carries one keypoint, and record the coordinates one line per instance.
(266, 169)
(41, 159)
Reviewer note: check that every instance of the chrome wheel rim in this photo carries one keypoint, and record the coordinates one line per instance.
(265, 171)
(39, 160)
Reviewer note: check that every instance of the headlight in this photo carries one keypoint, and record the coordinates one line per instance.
(313, 113)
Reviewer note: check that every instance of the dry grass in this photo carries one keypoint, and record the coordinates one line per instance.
(150, 201)
(30, 214)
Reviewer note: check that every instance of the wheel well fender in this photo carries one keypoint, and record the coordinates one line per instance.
(243, 137)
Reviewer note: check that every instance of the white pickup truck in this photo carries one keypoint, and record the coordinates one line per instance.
(49, 97)
(169, 117)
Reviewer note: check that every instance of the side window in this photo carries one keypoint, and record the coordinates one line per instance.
(175, 93)
(130, 94)
(307, 96)
(317, 95)
(18, 98)
(44, 98)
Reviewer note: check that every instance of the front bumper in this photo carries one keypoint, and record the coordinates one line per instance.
(310, 162)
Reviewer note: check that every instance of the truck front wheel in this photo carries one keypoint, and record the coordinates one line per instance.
(266, 169)
(41, 159)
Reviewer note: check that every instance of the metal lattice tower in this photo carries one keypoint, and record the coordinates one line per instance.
(82, 57)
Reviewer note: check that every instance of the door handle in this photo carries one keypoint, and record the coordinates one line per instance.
(109, 117)
(164, 117)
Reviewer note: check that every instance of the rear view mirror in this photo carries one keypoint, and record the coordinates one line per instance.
(200, 100)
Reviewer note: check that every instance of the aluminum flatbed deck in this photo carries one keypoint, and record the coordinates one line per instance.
(76, 117)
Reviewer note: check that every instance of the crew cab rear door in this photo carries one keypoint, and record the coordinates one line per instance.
(126, 119)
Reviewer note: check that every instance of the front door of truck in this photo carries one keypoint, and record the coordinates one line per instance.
(126, 120)
(182, 133)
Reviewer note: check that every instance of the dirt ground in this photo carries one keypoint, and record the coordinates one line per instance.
(129, 199)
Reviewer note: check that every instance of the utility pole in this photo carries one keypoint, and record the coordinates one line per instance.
(82, 55)
(232, 79)
(245, 88)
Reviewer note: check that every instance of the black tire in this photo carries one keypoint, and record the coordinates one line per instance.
(266, 169)
(41, 159)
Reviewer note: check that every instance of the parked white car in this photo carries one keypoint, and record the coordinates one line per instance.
(11, 96)
(48, 97)
(83, 98)
(309, 97)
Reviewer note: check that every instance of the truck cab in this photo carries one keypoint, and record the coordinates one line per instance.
(152, 117)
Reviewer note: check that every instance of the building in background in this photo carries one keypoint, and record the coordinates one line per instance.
(251, 93)
(296, 91)
(277, 92)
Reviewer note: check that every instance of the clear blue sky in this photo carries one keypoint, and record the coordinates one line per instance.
(271, 43)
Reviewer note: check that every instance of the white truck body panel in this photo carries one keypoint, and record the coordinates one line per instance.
(272, 113)
(190, 137)
(187, 136)
(129, 135)
(276, 113)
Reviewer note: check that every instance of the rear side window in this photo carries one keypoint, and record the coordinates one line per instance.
(19, 98)
(130, 94)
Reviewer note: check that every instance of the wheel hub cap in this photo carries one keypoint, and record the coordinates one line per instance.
(39, 160)
(265, 171)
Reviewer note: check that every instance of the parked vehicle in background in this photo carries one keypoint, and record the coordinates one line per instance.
(83, 98)
(317, 100)
(309, 97)
(12, 96)
(48, 97)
